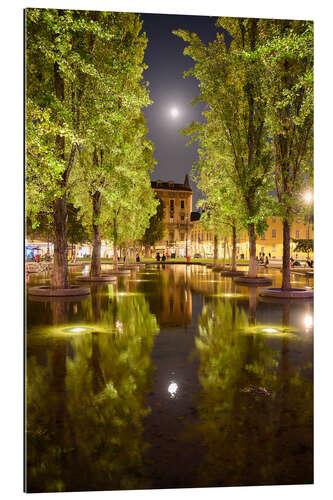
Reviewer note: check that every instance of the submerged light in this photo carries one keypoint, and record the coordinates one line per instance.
(308, 321)
(172, 389)
(77, 329)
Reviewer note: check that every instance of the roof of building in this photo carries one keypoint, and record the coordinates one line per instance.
(173, 186)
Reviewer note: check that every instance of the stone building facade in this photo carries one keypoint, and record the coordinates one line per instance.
(177, 201)
(271, 242)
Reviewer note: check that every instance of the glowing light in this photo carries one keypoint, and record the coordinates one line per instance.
(119, 326)
(308, 321)
(172, 389)
(78, 329)
(308, 197)
(174, 112)
(85, 270)
(269, 330)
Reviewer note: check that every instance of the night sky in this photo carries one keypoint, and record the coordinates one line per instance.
(168, 89)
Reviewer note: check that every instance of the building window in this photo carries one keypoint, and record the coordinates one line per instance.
(263, 237)
(182, 217)
(171, 235)
(182, 236)
(182, 204)
(273, 233)
(273, 248)
(297, 233)
(171, 218)
(273, 219)
(308, 234)
(172, 205)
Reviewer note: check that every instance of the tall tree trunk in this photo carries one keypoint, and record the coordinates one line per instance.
(252, 248)
(115, 237)
(234, 248)
(147, 251)
(126, 250)
(59, 278)
(286, 256)
(228, 252)
(215, 250)
(224, 250)
(96, 253)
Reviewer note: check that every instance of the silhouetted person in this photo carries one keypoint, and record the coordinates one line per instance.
(158, 257)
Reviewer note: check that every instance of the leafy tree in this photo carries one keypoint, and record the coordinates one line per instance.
(84, 72)
(117, 148)
(222, 212)
(155, 231)
(230, 82)
(305, 246)
(286, 56)
(43, 229)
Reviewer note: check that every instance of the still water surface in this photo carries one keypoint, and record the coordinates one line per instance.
(176, 377)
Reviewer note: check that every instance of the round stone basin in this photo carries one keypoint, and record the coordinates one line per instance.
(294, 293)
(47, 291)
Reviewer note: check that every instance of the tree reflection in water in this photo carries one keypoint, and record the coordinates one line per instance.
(86, 400)
(252, 437)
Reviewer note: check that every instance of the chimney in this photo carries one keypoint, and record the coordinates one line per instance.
(186, 182)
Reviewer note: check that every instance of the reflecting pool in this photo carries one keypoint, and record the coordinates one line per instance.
(173, 377)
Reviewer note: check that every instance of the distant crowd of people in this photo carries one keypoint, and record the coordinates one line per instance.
(262, 259)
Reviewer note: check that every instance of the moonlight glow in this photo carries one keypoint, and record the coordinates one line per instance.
(174, 112)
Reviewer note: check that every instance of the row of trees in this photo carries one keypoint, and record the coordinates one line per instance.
(86, 138)
(255, 144)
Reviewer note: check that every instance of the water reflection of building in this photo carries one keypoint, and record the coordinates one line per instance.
(172, 302)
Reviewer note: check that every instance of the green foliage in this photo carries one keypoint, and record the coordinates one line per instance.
(99, 57)
(286, 56)
(86, 403)
(247, 435)
(76, 231)
(156, 228)
(234, 165)
(302, 245)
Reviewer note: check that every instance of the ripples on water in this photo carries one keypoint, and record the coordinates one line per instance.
(174, 378)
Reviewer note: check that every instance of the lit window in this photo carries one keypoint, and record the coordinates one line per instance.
(307, 234)
(182, 217)
(297, 233)
(273, 233)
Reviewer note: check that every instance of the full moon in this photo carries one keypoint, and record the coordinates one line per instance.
(174, 112)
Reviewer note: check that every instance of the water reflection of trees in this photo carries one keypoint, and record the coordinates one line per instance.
(86, 402)
(251, 437)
